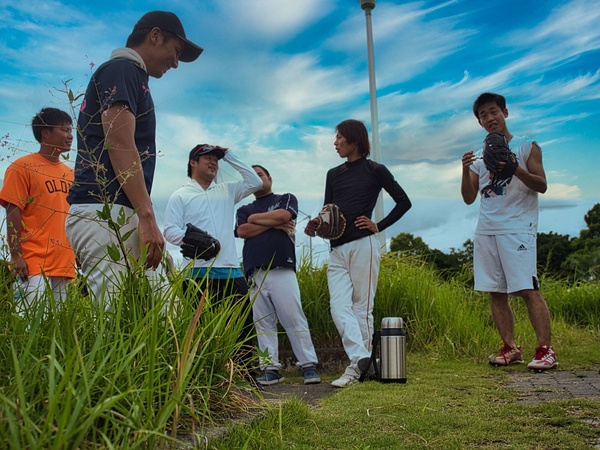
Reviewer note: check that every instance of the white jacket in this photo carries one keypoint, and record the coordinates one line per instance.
(212, 210)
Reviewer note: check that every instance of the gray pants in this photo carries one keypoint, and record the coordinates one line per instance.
(90, 238)
(278, 298)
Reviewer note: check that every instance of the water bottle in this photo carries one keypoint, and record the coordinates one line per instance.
(393, 350)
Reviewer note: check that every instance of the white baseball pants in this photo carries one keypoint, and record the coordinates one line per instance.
(352, 278)
(278, 298)
(27, 292)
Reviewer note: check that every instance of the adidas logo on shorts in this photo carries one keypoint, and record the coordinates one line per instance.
(521, 248)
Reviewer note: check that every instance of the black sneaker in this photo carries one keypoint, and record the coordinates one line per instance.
(310, 375)
(270, 377)
(364, 364)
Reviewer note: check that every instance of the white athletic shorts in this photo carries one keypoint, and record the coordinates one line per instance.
(505, 263)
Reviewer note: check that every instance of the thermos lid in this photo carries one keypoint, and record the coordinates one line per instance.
(392, 322)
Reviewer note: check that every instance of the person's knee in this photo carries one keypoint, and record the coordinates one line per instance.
(498, 297)
(264, 317)
(531, 295)
(339, 309)
(533, 299)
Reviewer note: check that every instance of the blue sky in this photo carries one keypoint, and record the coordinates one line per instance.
(278, 75)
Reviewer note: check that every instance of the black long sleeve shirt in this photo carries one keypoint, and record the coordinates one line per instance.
(354, 187)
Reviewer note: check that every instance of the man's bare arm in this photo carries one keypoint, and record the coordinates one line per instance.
(535, 176)
(271, 219)
(469, 184)
(258, 223)
(14, 231)
(250, 230)
(119, 128)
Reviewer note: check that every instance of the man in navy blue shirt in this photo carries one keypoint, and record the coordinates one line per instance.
(116, 151)
(269, 259)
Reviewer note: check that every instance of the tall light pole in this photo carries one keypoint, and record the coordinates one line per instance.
(368, 6)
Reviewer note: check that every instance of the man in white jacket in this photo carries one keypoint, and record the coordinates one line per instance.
(211, 206)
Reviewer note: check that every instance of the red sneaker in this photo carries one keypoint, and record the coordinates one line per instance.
(507, 356)
(544, 359)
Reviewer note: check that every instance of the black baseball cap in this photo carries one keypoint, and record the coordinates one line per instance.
(203, 149)
(167, 21)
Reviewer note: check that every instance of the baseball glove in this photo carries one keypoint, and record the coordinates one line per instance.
(330, 223)
(495, 151)
(198, 244)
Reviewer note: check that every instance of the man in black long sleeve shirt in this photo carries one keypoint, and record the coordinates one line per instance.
(354, 259)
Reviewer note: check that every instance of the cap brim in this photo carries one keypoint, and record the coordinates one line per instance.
(190, 51)
(218, 152)
(215, 151)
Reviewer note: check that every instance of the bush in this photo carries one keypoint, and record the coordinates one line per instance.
(445, 317)
(80, 377)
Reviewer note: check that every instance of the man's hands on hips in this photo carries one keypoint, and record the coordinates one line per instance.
(364, 223)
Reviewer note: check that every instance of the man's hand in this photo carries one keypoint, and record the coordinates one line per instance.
(152, 240)
(18, 266)
(14, 231)
(311, 227)
(469, 184)
(467, 161)
(289, 227)
(364, 223)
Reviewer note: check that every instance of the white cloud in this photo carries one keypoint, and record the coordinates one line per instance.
(277, 75)
(407, 41)
(574, 23)
(558, 191)
(270, 20)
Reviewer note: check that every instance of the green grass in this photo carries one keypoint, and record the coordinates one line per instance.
(457, 403)
(446, 317)
(158, 366)
(80, 377)
(453, 398)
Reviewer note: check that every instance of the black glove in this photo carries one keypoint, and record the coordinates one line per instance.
(495, 150)
(198, 244)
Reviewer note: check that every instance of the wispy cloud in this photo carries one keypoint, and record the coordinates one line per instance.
(278, 75)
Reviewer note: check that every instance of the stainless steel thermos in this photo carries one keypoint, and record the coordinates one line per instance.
(392, 350)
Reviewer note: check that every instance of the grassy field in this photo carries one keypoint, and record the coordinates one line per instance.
(446, 404)
(453, 398)
(158, 364)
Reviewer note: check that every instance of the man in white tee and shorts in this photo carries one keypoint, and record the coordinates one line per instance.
(504, 252)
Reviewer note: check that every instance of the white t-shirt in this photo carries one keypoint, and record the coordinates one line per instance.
(509, 207)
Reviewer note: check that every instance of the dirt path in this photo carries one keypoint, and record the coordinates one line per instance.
(530, 387)
(555, 385)
(310, 394)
